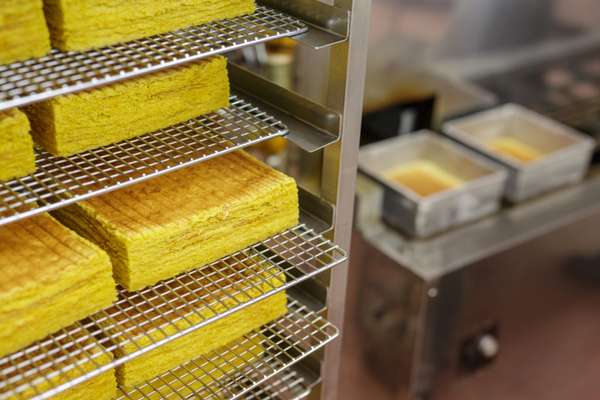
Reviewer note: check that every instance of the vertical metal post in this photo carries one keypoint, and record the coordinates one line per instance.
(346, 86)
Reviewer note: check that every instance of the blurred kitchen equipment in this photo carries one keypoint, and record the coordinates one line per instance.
(540, 154)
(474, 189)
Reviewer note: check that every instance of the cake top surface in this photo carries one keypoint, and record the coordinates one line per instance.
(38, 251)
(208, 190)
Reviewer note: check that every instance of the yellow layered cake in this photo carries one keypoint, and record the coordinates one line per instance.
(178, 307)
(192, 379)
(79, 25)
(179, 221)
(425, 178)
(23, 31)
(51, 278)
(48, 371)
(16, 147)
(515, 149)
(77, 122)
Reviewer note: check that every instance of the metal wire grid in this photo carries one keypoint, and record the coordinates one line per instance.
(162, 313)
(285, 342)
(61, 73)
(60, 181)
(286, 386)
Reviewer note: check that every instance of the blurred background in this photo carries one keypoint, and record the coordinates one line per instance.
(502, 303)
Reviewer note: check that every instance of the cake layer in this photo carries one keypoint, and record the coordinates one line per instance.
(78, 122)
(47, 270)
(101, 387)
(425, 178)
(159, 228)
(79, 25)
(515, 149)
(16, 147)
(191, 380)
(202, 341)
(23, 30)
(144, 323)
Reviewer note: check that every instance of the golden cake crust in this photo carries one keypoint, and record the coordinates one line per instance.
(38, 251)
(207, 190)
(188, 218)
(47, 269)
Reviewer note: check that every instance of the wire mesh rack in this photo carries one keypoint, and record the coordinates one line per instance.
(249, 368)
(61, 73)
(139, 322)
(288, 385)
(60, 181)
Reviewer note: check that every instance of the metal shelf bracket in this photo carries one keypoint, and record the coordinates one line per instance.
(311, 125)
(327, 25)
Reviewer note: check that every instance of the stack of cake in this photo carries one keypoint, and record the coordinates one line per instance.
(82, 121)
(138, 236)
(47, 270)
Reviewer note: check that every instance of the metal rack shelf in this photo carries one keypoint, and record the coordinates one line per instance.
(165, 312)
(285, 342)
(286, 386)
(61, 181)
(62, 73)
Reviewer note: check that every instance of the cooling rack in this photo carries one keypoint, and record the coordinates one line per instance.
(61, 181)
(286, 386)
(61, 73)
(256, 367)
(164, 312)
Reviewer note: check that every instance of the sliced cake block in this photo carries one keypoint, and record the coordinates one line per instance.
(192, 379)
(185, 219)
(174, 307)
(51, 278)
(52, 369)
(17, 158)
(23, 31)
(79, 25)
(82, 121)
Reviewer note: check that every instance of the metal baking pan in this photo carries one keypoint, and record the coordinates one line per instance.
(564, 154)
(478, 195)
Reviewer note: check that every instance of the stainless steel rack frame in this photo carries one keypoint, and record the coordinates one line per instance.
(284, 342)
(336, 34)
(339, 87)
(165, 312)
(286, 386)
(60, 181)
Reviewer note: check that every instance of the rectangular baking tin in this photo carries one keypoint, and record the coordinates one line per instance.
(568, 151)
(424, 216)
